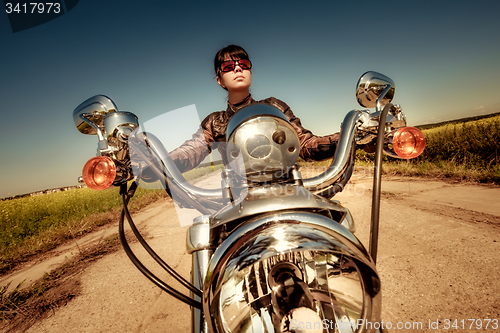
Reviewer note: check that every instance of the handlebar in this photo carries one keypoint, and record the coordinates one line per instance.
(150, 148)
(341, 158)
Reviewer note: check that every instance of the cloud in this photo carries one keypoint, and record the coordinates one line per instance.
(431, 120)
(480, 109)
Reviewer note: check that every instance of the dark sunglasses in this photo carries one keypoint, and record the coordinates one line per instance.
(230, 65)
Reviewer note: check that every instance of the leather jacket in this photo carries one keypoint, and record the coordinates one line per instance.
(212, 135)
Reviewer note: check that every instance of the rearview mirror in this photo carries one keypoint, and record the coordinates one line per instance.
(89, 115)
(374, 90)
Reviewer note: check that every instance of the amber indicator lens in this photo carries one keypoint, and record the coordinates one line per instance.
(408, 142)
(99, 173)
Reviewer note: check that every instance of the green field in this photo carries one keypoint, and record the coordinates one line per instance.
(30, 225)
(463, 150)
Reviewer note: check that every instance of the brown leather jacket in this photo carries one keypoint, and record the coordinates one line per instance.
(212, 135)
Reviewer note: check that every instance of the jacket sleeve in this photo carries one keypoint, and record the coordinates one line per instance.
(312, 147)
(192, 152)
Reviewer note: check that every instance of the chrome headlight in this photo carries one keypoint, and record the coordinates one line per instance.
(291, 271)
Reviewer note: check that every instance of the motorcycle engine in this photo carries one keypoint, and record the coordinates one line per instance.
(262, 145)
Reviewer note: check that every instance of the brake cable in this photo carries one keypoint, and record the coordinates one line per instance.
(161, 284)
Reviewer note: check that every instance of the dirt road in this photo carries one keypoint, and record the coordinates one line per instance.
(438, 261)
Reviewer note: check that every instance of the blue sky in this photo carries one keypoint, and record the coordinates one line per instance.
(151, 57)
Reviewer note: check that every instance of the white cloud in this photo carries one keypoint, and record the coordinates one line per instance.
(479, 109)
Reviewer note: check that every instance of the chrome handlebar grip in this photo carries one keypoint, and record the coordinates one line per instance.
(341, 157)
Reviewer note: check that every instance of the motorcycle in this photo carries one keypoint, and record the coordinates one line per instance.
(271, 252)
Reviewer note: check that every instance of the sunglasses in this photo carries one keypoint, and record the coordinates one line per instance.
(230, 65)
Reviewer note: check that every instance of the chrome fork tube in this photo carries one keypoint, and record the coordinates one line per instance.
(199, 269)
(198, 245)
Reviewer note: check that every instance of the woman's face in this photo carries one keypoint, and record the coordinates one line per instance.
(236, 80)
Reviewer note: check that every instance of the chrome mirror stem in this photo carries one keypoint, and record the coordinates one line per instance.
(379, 101)
(377, 177)
(102, 144)
(100, 134)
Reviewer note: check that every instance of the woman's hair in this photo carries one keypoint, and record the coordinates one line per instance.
(234, 52)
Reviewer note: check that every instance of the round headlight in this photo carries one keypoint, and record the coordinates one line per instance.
(301, 273)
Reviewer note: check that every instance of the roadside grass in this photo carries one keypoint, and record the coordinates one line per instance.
(32, 225)
(440, 169)
(443, 170)
(461, 151)
(200, 172)
(472, 144)
(21, 308)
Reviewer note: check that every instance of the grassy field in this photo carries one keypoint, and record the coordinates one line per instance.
(465, 151)
(202, 171)
(30, 225)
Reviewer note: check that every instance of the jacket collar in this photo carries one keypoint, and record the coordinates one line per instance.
(233, 108)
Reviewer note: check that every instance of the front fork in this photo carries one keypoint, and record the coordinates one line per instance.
(198, 245)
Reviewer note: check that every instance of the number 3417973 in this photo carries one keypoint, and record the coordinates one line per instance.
(33, 8)
(471, 324)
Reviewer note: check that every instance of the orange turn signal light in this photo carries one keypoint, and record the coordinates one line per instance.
(99, 173)
(408, 142)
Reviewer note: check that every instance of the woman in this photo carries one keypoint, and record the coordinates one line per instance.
(233, 70)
